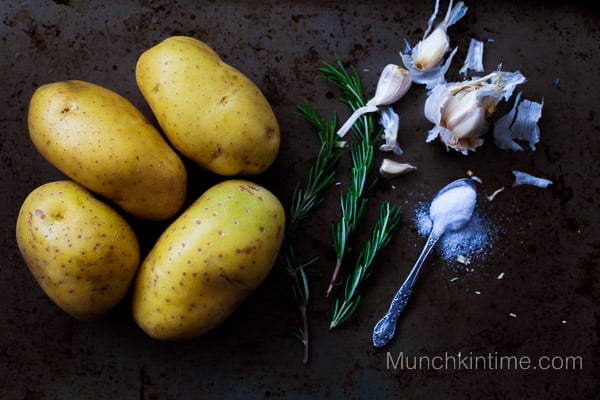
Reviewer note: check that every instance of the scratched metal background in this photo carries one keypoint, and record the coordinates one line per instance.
(548, 244)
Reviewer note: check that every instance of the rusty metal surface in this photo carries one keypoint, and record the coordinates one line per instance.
(547, 246)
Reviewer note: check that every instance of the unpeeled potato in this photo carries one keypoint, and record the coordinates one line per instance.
(208, 261)
(100, 140)
(211, 112)
(82, 253)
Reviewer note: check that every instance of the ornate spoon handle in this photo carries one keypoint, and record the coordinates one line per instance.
(385, 329)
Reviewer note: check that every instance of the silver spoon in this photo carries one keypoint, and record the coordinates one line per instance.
(450, 209)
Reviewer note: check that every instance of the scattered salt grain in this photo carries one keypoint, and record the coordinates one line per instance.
(564, 321)
(474, 241)
(463, 260)
(454, 279)
(513, 315)
(500, 276)
(477, 292)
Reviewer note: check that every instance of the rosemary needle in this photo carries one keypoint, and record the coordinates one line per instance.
(389, 217)
(353, 203)
(304, 199)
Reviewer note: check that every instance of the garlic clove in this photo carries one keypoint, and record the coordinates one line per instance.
(390, 169)
(392, 85)
(474, 59)
(430, 52)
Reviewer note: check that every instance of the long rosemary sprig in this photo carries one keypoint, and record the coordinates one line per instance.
(389, 217)
(352, 203)
(304, 199)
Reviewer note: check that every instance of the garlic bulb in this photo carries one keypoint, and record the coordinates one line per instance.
(460, 110)
(392, 85)
(424, 60)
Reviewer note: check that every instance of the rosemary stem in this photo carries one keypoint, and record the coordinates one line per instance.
(336, 271)
(305, 335)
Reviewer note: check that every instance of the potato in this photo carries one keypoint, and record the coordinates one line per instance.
(82, 253)
(100, 140)
(208, 261)
(210, 112)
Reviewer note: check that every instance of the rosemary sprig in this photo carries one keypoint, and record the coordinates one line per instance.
(389, 217)
(305, 198)
(353, 203)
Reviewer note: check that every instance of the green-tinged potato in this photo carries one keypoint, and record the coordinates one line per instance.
(82, 253)
(211, 112)
(208, 261)
(102, 141)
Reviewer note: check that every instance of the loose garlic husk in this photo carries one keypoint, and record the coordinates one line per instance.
(460, 110)
(424, 60)
(392, 85)
(391, 123)
(390, 169)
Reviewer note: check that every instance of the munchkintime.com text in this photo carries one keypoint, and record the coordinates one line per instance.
(490, 361)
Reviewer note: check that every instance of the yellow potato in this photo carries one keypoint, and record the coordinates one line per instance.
(208, 261)
(100, 140)
(211, 112)
(82, 252)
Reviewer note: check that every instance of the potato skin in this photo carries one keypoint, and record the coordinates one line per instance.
(210, 112)
(83, 254)
(102, 141)
(208, 261)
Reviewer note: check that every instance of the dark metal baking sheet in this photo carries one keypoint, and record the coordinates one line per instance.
(547, 243)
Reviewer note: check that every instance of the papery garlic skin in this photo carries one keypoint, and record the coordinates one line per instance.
(394, 82)
(474, 58)
(519, 123)
(391, 123)
(460, 110)
(523, 178)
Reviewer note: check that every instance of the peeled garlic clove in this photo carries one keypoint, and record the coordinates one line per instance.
(392, 85)
(390, 169)
(430, 52)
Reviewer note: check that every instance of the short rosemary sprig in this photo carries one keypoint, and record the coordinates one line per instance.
(353, 203)
(389, 217)
(304, 199)
(322, 172)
